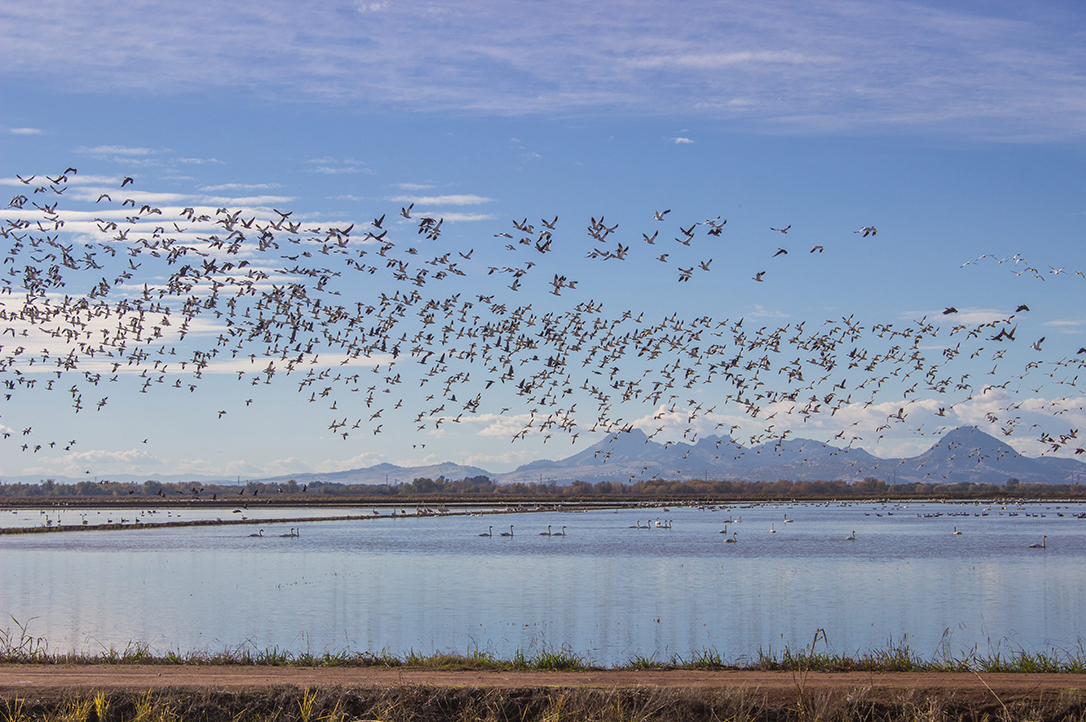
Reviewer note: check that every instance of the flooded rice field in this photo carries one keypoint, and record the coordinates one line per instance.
(607, 584)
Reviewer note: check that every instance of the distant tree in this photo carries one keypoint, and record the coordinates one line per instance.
(424, 485)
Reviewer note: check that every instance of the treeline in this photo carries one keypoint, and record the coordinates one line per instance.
(49, 488)
(483, 487)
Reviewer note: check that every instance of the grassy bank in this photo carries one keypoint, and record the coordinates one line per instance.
(17, 647)
(426, 704)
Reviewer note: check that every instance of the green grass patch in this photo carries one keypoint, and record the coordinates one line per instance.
(18, 647)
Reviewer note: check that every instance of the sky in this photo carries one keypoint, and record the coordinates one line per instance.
(955, 129)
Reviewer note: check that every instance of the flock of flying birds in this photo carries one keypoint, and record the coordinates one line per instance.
(357, 315)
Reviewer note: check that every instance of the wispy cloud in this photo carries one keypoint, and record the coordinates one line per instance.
(777, 66)
(331, 170)
(26, 131)
(336, 166)
(248, 201)
(959, 316)
(240, 186)
(1065, 326)
(763, 312)
(709, 61)
(466, 217)
(199, 161)
(103, 151)
(451, 200)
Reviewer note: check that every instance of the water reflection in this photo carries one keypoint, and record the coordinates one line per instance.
(604, 590)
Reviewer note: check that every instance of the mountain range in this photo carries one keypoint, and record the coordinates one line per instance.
(965, 454)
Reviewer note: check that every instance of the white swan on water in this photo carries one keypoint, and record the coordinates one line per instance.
(733, 540)
(546, 533)
(1042, 545)
(509, 533)
(852, 537)
(488, 532)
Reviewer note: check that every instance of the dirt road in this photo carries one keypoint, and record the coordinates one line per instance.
(50, 681)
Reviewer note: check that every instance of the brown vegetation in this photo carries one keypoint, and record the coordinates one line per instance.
(211, 697)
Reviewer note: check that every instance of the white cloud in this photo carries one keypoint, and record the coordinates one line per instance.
(716, 61)
(283, 467)
(970, 316)
(499, 425)
(681, 141)
(776, 66)
(457, 217)
(449, 200)
(102, 151)
(370, 7)
(97, 462)
(329, 170)
(1065, 326)
(336, 166)
(240, 186)
(762, 312)
(368, 458)
(261, 364)
(414, 186)
(249, 201)
(508, 459)
(26, 131)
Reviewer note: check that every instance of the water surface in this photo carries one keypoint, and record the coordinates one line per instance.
(605, 591)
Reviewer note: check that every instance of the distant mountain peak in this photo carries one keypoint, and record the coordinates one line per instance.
(970, 440)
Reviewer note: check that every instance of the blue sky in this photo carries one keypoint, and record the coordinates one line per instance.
(956, 129)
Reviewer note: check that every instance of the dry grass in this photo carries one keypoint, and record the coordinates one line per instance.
(439, 704)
